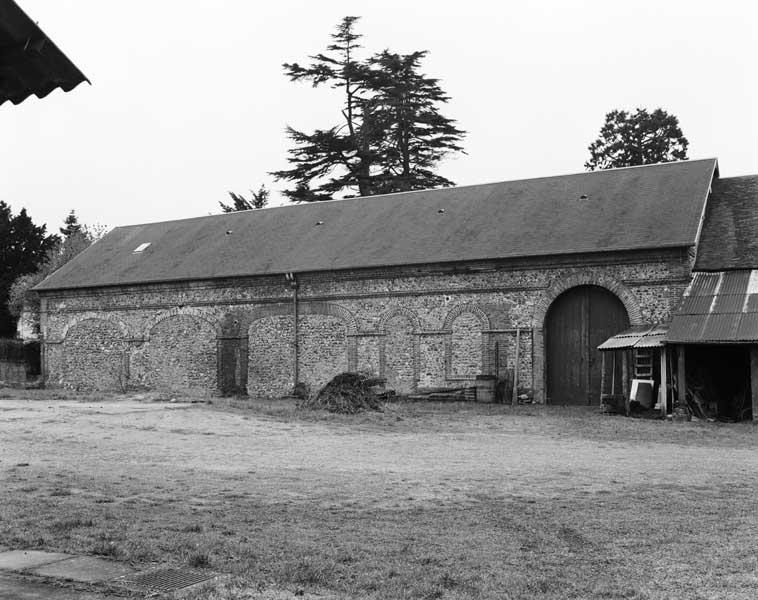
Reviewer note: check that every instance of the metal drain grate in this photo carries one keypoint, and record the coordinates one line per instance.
(167, 580)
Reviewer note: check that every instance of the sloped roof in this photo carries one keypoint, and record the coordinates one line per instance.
(30, 63)
(652, 206)
(717, 307)
(730, 233)
(637, 336)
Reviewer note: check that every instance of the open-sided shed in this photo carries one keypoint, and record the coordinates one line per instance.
(708, 357)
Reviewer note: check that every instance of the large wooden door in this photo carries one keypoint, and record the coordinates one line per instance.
(578, 321)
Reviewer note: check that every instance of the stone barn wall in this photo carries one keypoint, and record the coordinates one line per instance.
(426, 326)
(270, 354)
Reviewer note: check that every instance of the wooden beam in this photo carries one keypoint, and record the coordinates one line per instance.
(514, 398)
(754, 379)
(602, 379)
(625, 379)
(681, 379)
(663, 390)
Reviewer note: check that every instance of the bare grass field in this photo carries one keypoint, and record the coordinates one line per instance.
(424, 500)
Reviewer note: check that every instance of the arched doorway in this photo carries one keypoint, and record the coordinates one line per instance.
(578, 321)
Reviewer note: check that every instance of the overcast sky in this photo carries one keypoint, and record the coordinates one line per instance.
(188, 99)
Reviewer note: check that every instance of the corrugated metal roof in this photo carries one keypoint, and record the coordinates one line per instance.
(655, 338)
(30, 63)
(653, 206)
(729, 239)
(718, 307)
(637, 336)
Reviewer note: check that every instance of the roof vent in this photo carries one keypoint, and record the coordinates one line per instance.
(441, 211)
(319, 222)
(228, 232)
(141, 247)
(583, 197)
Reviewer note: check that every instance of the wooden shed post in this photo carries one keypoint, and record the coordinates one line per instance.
(754, 380)
(514, 398)
(625, 379)
(664, 383)
(681, 379)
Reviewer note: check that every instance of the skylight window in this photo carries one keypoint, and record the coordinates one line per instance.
(142, 247)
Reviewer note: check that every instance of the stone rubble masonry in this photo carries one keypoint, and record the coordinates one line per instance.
(436, 325)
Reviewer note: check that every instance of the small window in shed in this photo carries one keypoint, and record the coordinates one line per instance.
(141, 247)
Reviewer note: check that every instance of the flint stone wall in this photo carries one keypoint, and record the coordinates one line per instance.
(428, 326)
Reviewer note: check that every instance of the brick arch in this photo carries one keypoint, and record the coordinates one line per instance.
(261, 312)
(458, 310)
(306, 308)
(97, 358)
(400, 367)
(622, 292)
(343, 315)
(447, 327)
(400, 311)
(181, 311)
(175, 360)
(95, 317)
(331, 310)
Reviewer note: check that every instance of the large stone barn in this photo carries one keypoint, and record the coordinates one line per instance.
(427, 289)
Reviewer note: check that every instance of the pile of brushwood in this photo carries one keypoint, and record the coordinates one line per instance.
(348, 393)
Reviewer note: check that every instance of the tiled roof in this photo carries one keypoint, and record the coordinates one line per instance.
(718, 307)
(30, 63)
(655, 206)
(730, 233)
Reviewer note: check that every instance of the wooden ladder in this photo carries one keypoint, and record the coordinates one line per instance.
(643, 363)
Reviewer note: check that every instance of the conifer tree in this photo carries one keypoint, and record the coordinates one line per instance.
(71, 223)
(390, 136)
(258, 199)
(23, 247)
(415, 135)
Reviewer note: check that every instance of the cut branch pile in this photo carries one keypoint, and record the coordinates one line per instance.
(347, 393)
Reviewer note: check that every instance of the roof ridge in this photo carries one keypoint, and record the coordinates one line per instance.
(426, 190)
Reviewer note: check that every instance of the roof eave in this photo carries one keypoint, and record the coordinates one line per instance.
(40, 288)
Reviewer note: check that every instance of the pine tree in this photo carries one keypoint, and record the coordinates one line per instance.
(415, 135)
(258, 199)
(391, 133)
(71, 223)
(342, 153)
(639, 138)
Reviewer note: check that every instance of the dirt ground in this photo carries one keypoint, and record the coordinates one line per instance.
(638, 509)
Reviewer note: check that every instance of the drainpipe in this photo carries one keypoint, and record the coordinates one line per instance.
(292, 278)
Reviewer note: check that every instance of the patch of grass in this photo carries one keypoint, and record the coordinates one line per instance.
(306, 571)
(105, 548)
(199, 560)
(60, 492)
(72, 523)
